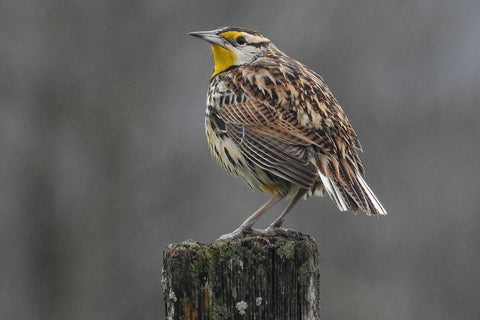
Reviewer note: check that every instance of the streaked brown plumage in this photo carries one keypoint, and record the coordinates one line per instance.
(274, 123)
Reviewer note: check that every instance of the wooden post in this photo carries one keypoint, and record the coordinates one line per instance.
(252, 278)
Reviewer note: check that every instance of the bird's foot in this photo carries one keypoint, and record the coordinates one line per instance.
(236, 234)
(251, 232)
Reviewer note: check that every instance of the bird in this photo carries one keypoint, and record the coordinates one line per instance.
(274, 123)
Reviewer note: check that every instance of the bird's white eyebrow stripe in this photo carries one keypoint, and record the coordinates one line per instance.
(255, 40)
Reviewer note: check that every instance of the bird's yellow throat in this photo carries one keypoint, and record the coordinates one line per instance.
(223, 58)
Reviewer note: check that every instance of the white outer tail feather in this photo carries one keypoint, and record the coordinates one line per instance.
(378, 206)
(336, 195)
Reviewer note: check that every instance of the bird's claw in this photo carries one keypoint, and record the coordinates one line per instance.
(236, 234)
(251, 232)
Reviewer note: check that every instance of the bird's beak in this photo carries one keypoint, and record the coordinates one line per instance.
(209, 36)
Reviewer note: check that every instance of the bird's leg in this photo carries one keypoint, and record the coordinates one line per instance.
(246, 226)
(274, 228)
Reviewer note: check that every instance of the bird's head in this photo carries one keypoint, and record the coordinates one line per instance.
(234, 46)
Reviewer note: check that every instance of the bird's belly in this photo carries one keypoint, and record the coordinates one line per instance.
(229, 155)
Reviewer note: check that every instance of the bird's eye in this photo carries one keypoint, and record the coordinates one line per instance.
(241, 41)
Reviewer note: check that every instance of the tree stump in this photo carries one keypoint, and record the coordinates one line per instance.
(251, 278)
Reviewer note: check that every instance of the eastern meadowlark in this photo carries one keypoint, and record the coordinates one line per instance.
(274, 123)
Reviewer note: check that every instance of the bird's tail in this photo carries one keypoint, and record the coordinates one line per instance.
(345, 184)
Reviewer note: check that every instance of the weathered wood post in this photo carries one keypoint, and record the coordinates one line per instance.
(252, 278)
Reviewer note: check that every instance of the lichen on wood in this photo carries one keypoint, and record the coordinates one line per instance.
(250, 278)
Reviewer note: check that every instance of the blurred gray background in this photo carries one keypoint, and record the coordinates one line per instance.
(103, 158)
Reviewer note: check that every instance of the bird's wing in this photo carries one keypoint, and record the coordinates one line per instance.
(289, 106)
(268, 138)
(275, 155)
(261, 115)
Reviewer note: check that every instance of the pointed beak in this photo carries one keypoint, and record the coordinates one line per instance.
(209, 36)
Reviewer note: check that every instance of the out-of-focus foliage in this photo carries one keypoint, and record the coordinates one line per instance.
(103, 159)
